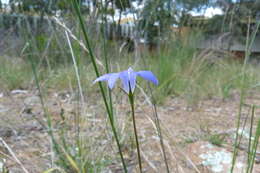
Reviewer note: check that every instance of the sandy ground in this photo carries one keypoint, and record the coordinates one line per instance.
(25, 143)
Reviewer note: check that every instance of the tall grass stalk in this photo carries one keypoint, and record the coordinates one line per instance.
(250, 145)
(75, 67)
(249, 44)
(157, 123)
(254, 147)
(109, 112)
(13, 155)
(131, 100)
(250, 135)
(103, 30)
(159, 131)
(54, 144)
(77, 119)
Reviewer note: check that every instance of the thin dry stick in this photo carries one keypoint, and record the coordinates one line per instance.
(75, 38)
(44, 54)
(13, 155)
(149, 163)
(182, 153)
(155, 128)
(170, 150)
(6, 156)
(158, 129)
(76, 68)
(190, 161)
(147, 99)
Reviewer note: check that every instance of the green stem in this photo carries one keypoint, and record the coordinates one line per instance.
(159, 131)
(46, 114)
(103, 29)
(250, 148)
(131, 99)
(92, 57)
(158, 126)
(249, 43)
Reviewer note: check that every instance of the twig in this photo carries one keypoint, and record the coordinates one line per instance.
(76, 68)
(75, 38)
(7, 156)
(149, 163)
(178, 150)
(147, 99)
(13, 155)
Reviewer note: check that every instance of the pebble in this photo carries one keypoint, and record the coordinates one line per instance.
(19, 92)
(6, 132)
(31, 101)
(3, 109)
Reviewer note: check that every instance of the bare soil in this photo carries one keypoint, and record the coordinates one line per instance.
(183, 125)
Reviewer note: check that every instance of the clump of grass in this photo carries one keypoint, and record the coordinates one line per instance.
(14, 73)
(64, 77)
(217, 139)
(243, 90)
(195, 78)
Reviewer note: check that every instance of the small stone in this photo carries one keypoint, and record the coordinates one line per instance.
(6, 132)
(3, 109)
(213, 158)
(257, 159)
(19, 92)
(31, 101)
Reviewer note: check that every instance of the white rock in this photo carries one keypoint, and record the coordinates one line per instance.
(19, 92)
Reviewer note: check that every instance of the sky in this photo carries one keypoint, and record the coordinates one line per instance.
(5, 1)
(209, 12)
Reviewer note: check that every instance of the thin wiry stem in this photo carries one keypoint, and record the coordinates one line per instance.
(76, 68)
(158, 126)
(54, 145)
(131, 99)
(92, 57)
(254, 147)
(249, 43)
(82, 45)
(13, 155)
(159, 131)
(250, 148)
(103, 29)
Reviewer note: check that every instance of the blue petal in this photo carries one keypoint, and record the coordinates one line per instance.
(125, 81)
(112, 79)
(131, 78)
(102, 78)
(147, 75)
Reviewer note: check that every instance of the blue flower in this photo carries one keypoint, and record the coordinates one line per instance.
(128, 79)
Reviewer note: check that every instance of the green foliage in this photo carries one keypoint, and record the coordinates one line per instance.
(3, 168)
(182, 73)
(235, 19)
(217, 139)
(64, 77)
(156, 19)
(215, 25)
(14, 74)
(28, 5)
(188, 5)
(43, 6)
(76, 156)
(122, 4)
